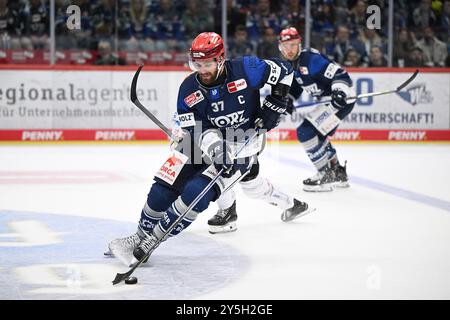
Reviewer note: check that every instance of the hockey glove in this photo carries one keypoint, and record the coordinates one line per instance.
(268, 116)
(290, 106)
(221, 155)
(338, 99)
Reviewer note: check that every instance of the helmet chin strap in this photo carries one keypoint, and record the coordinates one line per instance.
(220, 66)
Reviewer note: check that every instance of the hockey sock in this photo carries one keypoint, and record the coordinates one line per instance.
(170, 216)
(226, 199)
(149, 218)
(316, 148)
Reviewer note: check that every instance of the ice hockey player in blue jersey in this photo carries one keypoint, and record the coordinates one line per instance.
(321, 78)
(218, 107)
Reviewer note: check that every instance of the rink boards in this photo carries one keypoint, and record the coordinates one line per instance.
(66, 103)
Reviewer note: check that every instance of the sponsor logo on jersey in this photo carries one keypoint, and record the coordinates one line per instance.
(303, 70)
(237, 85)
(214, 93)
(417, 94)
(170, 170)
(186, 120)
(194, 98)
(234, 119)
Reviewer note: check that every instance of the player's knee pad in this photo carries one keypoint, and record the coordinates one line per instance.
(257, 188)
(194, 188)
(160, 197)
(306, 131)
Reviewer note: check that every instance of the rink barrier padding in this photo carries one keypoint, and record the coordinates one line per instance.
(41, 103)
(281, 135)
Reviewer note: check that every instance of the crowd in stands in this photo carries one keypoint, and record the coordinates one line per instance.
(161, 27)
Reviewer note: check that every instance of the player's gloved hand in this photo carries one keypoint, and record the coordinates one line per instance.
(268, 116)
(290, 106)
(221, 155)
(338, 99)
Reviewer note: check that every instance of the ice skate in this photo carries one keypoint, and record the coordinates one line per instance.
(340, 174)
(323, 181)
(299, 209)
(123, 248)
(224, 220)
(148, 244)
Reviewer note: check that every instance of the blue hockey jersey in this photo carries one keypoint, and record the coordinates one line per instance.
(315, 74)
(232, 104)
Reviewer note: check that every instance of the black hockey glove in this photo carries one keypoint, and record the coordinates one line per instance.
(268, 116)
(221, 155)
(338, 99)
(290, 106)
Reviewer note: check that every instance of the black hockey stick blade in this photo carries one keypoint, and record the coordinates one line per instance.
(122, 276)
(137, 103)
(408, 81)
(133, 95)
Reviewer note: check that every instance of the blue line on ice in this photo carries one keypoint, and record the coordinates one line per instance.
(378, 186)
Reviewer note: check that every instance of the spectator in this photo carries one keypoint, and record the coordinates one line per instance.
(370, 38)
(196, 18)
(137, 29)
(168, 30)
(423, 16)
(75, 38)
(415, 58)
(358, 16)
(268, 47)
(434, 51)
(9, 27)
(240, 46)
(37, 25)
(104, 20)
(376, 57)
(236, 15)
(342, 43)
(106, 56)
(262, 18)
(293, 14)
(352, 58)
(444, 25)
(402, 45)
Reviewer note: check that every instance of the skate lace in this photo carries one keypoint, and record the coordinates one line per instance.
(221, 213)
(131, 241)
(147, 244)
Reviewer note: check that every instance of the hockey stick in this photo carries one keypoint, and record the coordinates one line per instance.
(364, 95)
(137, 103)
(122, 276)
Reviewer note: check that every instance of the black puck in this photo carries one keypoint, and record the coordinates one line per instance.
(131, 280)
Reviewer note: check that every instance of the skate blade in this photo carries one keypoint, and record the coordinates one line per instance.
(229, 227)
(108, 254)
(318, 188)
(304, 213)
(342, 185)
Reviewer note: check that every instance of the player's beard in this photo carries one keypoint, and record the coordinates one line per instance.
(208, 78)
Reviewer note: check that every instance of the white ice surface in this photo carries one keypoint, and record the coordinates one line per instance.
(387, 236)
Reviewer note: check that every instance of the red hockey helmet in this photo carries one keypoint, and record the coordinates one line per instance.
(286, 49)
(289, 34)
(207, 45)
